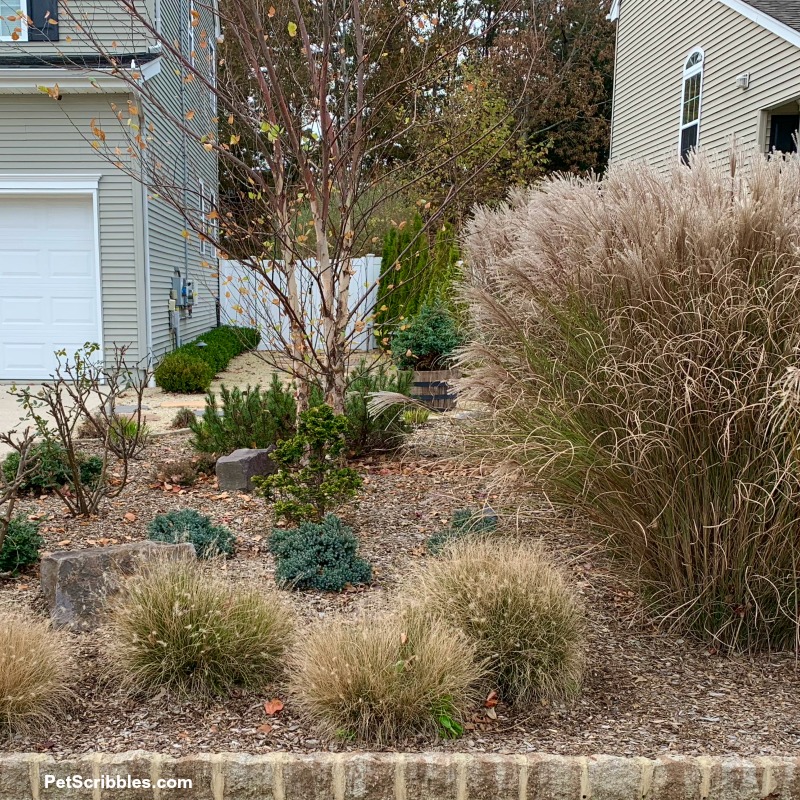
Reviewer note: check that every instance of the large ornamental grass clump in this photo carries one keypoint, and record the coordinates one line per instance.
(638, 339)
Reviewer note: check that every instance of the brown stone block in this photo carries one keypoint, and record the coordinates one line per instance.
(252, 777)
(204, 771)
(15, 776)
(676, 778)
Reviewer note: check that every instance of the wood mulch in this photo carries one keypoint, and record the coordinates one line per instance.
(647, 692)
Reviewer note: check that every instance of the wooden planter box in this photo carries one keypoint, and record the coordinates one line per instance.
(434, 388)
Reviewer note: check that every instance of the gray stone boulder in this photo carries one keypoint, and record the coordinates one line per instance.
(77, 583)
(236, 471)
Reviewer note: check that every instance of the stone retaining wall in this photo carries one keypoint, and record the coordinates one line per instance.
(410, 776)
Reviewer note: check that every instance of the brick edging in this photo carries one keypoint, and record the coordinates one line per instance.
(408, 776)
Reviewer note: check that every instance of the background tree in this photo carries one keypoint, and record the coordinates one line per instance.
(328, 112)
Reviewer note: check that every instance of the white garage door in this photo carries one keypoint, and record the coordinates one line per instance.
(48, 282)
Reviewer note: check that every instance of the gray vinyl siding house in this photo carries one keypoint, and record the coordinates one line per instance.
(87, 251)
(709, 74)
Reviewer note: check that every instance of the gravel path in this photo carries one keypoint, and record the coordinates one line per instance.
(647, 692)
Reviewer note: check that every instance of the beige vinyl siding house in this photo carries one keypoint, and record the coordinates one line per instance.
(749, 75)
(87, 252)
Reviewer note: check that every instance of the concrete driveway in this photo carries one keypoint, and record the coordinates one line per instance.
(10, 413)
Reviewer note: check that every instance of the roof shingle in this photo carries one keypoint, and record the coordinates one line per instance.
(785, 11)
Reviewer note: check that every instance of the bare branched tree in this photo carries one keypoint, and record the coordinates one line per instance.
(314, 103)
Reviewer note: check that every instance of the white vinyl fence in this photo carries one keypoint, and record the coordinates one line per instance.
(245, 299)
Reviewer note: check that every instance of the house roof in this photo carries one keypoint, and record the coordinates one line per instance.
(785, 11)
(781, 17)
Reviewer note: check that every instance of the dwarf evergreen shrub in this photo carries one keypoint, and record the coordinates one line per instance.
(320, 555)
(247, 418)
(189, 525)
(310, 479)
(463, 523)
(21, 545)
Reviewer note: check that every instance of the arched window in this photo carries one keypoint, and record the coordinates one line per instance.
(691, 102)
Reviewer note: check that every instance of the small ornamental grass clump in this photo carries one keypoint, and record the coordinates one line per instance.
(190, 526)
(318, 556)
(179, 628)
(35, 670)
(515, 606)
(20, 547)
(385, 678)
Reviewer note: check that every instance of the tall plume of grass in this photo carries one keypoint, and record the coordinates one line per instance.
(638, 340)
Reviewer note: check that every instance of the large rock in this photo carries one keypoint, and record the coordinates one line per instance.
(236, 471)
(77, 583)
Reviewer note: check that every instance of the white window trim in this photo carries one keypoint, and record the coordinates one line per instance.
(204, 221)
(65, 185)
(192, 43)
(212, 77)
(213, 227)
(696, 69)
(21, 5)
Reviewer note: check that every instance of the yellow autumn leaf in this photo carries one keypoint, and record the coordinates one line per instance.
(235, 139)
(292, 28)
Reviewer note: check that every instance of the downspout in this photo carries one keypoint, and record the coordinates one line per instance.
(185, 157)
(148, 334)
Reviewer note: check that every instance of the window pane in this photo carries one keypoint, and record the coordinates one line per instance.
(691, 99)
(9, 8)
(688, 141)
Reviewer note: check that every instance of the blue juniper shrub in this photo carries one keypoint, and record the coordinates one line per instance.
(320, 555)
(188, 525)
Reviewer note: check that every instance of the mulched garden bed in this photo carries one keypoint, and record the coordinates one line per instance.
(646, 693)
